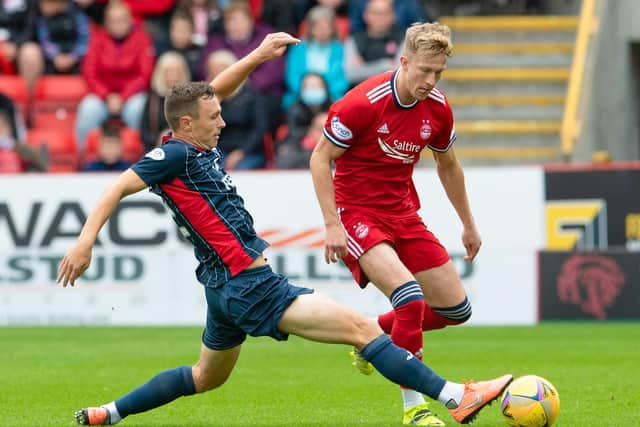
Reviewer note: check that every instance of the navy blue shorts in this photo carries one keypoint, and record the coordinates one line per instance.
(251, 303)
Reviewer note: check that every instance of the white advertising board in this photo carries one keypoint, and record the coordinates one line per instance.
(143, 274)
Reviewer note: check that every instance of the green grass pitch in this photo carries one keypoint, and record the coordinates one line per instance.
(47, 373)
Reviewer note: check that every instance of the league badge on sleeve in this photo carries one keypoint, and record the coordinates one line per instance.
(339, 130)
(156, 154)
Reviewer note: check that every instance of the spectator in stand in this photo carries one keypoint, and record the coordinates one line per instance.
(343, 24)
(181, 40)
(246, 117)
(295, 149)
(206, 17)
(62, 30)
(110, 151)
(406, 11)
(241, 36)
(15, 154)
(321, 52)
(171, 68)
(18, 51)
(377, 48)
(117, 68)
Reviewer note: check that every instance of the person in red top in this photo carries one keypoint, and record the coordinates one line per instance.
(117, 68)
(375, 135)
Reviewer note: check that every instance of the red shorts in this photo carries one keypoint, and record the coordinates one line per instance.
(416, 246)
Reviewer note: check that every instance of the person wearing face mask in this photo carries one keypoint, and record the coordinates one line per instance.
(321, 52)
(312, 102)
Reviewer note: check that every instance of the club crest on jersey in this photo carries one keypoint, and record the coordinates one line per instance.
(156, 154)
(361, 230)
(341, 131)
(425, 131)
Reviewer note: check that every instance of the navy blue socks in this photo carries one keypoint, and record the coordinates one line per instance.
(161, 389)
(401, 367)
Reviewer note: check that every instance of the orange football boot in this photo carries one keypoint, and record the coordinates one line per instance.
(93, 417)
(477, 395)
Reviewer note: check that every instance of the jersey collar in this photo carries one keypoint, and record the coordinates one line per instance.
(394, 91)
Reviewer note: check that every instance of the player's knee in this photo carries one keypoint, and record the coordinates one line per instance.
(456, 315)
(365, 330)
(205, 379)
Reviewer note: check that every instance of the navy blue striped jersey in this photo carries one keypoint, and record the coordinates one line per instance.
(206, 206)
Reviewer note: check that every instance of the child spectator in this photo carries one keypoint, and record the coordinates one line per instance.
(295, 150)
(171, 68)
(246, 118)
(321, 52)
(117, 69)
(110, 151)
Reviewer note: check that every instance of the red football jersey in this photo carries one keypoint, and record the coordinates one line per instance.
(383, 139)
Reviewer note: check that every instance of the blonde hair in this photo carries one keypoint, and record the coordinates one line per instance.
(430, 38)
(166, 59)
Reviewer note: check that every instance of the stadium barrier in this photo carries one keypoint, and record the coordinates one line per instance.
(143, 273)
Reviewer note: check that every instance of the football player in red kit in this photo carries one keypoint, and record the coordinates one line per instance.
(375, 135)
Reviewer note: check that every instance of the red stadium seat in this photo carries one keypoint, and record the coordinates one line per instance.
(56, 100)
(10, 162)
(15, 88)
(60, 118)
(60, 145)
(131, 144)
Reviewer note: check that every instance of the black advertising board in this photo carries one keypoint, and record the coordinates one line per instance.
(593, 208)
(601, 285)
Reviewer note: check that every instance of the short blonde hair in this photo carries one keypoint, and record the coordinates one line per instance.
(430, 38)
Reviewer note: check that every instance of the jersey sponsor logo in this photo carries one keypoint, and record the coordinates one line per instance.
(395, 153)
(156, 154)
(425, 130)
(340, 131)
(383, 129)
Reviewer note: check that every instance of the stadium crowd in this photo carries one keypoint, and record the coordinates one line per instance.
(82, 82)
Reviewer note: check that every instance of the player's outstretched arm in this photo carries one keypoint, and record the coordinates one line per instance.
(78, 258)
(273, 46)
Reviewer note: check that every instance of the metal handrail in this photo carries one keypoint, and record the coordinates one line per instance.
(571, 123)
